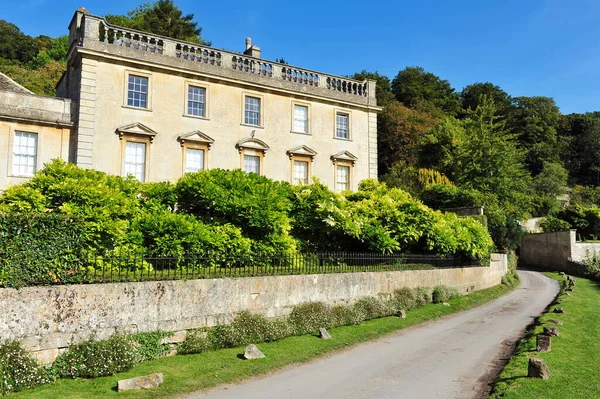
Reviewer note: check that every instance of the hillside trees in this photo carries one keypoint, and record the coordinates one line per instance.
(163, 18)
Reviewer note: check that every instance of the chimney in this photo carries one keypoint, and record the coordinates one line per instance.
(252, 51)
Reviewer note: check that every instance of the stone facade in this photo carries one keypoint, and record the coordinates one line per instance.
(33, 129)
(105, 59)
(47, 319)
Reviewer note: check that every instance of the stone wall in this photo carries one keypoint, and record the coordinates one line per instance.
(553, 251)
(48, 319)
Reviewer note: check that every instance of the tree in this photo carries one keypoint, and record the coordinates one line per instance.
(15, 45)
(399, 132)
(383, 88)
(162, 18)
(581, 132)
(471, 95)
(534, 120)
(413, 85)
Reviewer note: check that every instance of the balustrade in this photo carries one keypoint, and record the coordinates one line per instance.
(131, 39)
(155, 44)
(299, 76)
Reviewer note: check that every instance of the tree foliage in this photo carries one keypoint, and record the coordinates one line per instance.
(413, 85)
(163, 18)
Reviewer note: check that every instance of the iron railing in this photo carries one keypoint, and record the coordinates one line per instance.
(133, 267)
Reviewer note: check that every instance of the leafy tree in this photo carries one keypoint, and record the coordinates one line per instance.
(413, 85)
(40, 81)
(383, 88)
(577, 132)
(14, 44)
(471, 95)
(400, 129)
(162, 18)
(534, 120)
(552, 180)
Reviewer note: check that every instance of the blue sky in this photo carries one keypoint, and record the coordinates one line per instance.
(527, 47)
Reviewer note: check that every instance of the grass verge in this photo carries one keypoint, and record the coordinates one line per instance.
(573, 360)
(188, 373)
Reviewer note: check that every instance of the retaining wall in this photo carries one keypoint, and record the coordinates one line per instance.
(48, 319)
(553, 251)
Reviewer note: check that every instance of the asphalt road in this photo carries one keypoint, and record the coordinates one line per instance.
(452, 358)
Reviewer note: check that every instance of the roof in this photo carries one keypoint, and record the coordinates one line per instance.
(8, 84)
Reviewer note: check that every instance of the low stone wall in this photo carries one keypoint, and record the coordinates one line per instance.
(553, 251)
(48, 319)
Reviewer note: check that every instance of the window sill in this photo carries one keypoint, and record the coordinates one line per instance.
(204, 118)
(136, 108)
(20, 176)
(341, 138)
(254, 126)
(302, 133)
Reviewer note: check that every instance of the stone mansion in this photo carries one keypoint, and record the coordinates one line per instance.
(133, 103)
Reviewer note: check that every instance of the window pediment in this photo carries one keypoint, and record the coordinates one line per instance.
(196, 137)
(344, 156)
(252, 143)
(301, 150)
(136, 129)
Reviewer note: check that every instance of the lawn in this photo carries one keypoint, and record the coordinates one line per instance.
(187, 373)
(573, 361)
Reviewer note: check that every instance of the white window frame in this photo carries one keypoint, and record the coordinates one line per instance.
(128, 74)
(348, 182)
(187, 150)
(127, 172)
(198, 85)
(261, 113)
(348, 127)
(16, 171)
(307, 121)
(305, 179)
(258, 160)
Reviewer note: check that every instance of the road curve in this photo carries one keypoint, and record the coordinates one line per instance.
(450, 358)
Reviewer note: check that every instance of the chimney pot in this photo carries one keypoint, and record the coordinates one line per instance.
(248, 43)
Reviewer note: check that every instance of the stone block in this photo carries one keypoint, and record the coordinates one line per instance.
(538, 369)
(401, 314)
(47, 356)
(559, 310)
(555, 321)
(324, 333)
(252, 352)
(176, 338)
(143, 382)
(544, 343)
(551, 331)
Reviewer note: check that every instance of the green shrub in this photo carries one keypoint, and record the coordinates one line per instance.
(308, 317)
(372, 308)
(256, 204)
(147, 345)
(195, 342)
(345, 316)
(18, 370)
(441, 294)
(405, 298)
(41, 249)
(551, 223)
(422, 296)
(92, 359)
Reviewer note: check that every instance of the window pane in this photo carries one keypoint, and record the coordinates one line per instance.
(135, 160)
(300, 119)
(137, 91)
(300, 172)
(196, 101)
(194, 160)
(252, 111)
(343, 178)
(25, 153)
(341, 126)
(252, 164)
